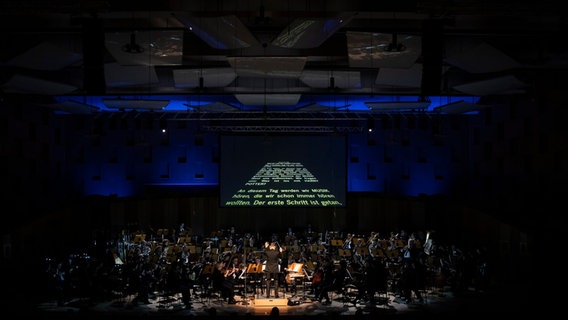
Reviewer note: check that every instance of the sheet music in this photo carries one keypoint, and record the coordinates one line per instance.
(295, 270)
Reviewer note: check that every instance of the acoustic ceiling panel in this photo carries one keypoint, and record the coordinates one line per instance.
(397, 106)
(117, 75)
(45, 56)
(212, 77)
(268, 99)
(458, 107)
(26, 84)
(73, 107)
(277, 67)
(328, 79)
(135, 104)
(378, 50)
(411, 77)
(225, 32)
(476, 56)
(152, 48)
(305, 33)
(314, 107)
(499, 85)
(216, 107)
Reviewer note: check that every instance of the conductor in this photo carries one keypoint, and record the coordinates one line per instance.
(272, 269)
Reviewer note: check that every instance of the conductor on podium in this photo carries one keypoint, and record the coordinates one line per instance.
(272, 269)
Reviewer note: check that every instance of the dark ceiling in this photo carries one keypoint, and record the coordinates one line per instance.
(231, 56)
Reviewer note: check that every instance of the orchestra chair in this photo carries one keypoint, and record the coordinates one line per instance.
(344, 253)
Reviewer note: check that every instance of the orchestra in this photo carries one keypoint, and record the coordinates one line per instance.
(144, 261)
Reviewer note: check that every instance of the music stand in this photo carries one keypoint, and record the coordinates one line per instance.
(262, 275)
(139, 238)
(255, 270)
(295, 271)
(244, 276)
(297, 267)
(208, 269)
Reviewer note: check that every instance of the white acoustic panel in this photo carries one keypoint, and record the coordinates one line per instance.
(216, 107)
(497, 86)
(26, 84)
(458, 107)
(477, 57)
(314, 107)
(135, 104)
(225, 32)
(373, 50)
(268, 99)
(212, 78)
(397, 106)
(73, 107)
(45, 56)
(117, 75)
(322, 79)
(305, 33)
(409, 78)
(277, 67)
(152, 48)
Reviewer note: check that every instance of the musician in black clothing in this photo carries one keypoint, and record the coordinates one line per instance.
(185, 283)
(327, 281)
(272, 269)
(333, 280)
(412, 279)
(145, 280)
(375, 278)
(222, 284)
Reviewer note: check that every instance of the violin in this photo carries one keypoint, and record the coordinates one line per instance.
(233, 271)
(230, 272)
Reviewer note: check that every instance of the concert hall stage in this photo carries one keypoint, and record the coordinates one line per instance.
(437, 303)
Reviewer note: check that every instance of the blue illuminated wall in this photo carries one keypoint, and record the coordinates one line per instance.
(406, 155)
(510, 159)
(502, 157)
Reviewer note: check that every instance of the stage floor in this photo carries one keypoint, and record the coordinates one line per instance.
(436, 302)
